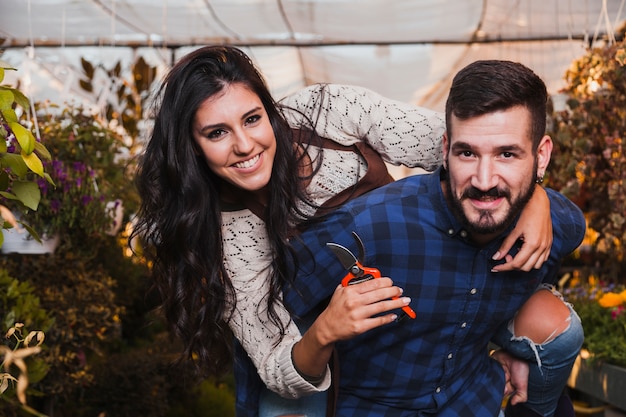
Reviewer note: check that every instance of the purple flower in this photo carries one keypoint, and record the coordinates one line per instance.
(55, 205)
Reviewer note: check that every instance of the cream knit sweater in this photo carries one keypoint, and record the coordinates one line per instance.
(401, 133)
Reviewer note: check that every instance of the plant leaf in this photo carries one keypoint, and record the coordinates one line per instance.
(28, 193)
(34, 163)
(15, 163)
(24, 137)
(6, 99)
(42, 151)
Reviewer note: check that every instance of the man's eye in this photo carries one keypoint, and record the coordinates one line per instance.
(508, 154)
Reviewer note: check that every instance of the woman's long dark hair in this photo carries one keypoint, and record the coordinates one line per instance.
(179, 220)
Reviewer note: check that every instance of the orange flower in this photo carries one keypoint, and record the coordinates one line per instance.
(610, 299)
(623, 295)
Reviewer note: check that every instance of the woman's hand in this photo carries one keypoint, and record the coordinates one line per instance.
(355, 309)
(534, 228)
(352, 310)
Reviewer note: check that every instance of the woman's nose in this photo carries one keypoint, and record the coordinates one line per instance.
(244, 144)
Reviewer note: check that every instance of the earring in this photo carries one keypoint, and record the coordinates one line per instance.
(539, 179)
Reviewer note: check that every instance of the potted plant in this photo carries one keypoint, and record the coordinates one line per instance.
(87, 167)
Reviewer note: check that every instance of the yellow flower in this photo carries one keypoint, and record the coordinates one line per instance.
(611, 299)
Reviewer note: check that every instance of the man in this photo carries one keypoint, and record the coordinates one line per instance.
(435, 235)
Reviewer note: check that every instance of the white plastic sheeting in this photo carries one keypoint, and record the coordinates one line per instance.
(405, 49)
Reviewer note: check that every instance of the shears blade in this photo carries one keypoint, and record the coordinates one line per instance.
(345, 256)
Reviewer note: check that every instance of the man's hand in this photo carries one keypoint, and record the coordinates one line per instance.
(516, 376)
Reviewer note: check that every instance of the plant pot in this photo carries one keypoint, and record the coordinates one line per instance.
(603, 381)
(22, 242)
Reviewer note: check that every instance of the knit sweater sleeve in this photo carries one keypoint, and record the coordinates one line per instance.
(248, 263)
(401, 132)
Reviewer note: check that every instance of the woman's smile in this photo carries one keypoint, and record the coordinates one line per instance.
(249, 163)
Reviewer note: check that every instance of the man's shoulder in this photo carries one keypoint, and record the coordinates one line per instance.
(414, 185)
(568, 220)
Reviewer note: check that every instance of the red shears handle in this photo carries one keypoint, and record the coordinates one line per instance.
(362, 274)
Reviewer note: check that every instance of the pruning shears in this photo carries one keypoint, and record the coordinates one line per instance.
(358, 273)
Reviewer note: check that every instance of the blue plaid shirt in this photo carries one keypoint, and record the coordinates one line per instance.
(437, 364)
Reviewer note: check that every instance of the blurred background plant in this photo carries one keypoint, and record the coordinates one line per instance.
(601, 306)
(589, 160)
(20, 309)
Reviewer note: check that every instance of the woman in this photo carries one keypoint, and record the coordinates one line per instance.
(226, 176)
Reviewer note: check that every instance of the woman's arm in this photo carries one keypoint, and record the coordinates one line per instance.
(401, 133)
(248, 261)
(291, 365)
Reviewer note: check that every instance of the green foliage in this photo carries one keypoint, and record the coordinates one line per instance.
(20, 153)
(589, 160)
(19, 304)
(81, 298)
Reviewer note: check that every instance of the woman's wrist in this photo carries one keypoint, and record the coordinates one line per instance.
(313, 380)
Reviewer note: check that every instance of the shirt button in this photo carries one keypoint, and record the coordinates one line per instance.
(463, 325)
(463, 233)
(449, 355)
(473, 291)
(450, 232)
(438, 390)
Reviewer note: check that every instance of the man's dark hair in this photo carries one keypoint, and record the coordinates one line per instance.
(493, 85)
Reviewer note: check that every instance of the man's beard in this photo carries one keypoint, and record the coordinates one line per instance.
(486, 224)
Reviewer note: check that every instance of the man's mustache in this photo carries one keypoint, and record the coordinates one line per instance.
(476, 194)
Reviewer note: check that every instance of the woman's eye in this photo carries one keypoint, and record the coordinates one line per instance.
(215, 134)
(253, 119)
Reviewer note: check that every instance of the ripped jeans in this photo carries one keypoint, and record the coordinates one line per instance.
(550, 362)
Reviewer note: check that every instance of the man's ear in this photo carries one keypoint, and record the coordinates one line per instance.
(544, 152)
